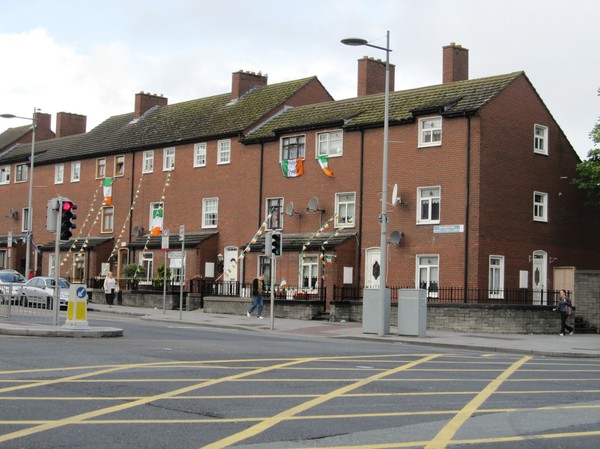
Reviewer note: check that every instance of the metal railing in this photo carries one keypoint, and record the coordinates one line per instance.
(460, 295)
(290, 292)
(15, 307)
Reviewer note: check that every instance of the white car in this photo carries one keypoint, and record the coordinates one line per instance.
(11, 282)
(40, 291)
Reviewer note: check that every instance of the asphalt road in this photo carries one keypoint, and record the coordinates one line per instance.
(182, 386)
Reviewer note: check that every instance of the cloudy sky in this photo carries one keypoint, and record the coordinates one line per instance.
(91, 57)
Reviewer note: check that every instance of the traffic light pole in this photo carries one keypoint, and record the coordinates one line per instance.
(273, 273)
(56, 264)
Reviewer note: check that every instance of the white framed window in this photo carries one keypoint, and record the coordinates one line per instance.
(75, 171)
(21, 171)
(169, 159)
(5, 174)
(59, 173)
(200, 154)
(540, 139)
(275, 208)
(100, 167)
(430, 132)
(210, 212)
(330, 143)
(108, 219)
(428, 274)
(119, 166)
(496, 277)
(309, 271)
(147, 263)
(293, 148)
(224, 152)
(345, 207)
(148, 161)
(24, 219)
(156, 215)
(540, 206)
(428, 209)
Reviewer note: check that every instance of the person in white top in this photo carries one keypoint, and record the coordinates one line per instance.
(110, 285)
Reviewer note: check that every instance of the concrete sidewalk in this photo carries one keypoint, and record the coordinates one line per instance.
(577, 345)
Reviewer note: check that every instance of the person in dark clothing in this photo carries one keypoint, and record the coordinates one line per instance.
(257, 296)
(564, 305)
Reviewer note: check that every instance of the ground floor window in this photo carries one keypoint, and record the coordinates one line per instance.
(428, 272)
(147, 263)
(496, 277)
(309, 272)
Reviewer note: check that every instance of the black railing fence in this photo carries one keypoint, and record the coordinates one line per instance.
(218, 288)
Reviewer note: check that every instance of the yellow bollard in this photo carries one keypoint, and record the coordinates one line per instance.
(77, 308)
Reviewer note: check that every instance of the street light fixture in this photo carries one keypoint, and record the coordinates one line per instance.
(30, 199)
(383, 218)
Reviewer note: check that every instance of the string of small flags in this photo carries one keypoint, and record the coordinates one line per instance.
(318, 233)
(254, 239)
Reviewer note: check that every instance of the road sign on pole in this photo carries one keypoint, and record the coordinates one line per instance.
(165, 240)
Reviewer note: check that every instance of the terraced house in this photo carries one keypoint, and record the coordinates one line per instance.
(479, 173)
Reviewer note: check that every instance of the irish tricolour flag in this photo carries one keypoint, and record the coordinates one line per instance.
(107, 192)
(324, 165)
(292, 168)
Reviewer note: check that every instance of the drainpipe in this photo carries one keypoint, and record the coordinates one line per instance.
(360, 204)
(467, 207)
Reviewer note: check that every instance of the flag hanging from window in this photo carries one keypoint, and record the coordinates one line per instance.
(283, 283)
(157, 222)
(107, 192)
(328, 258)
(292, 168)
(323, 162)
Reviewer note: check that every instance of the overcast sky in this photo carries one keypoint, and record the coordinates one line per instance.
(91, 57)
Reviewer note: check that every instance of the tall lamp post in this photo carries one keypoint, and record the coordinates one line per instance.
(383, 219)
(30, 199)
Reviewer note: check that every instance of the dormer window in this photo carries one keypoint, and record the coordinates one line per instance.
(430, 132)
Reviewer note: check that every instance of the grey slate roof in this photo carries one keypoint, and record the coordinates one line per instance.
(296, 242)
(448, 99)
(11, 135)
(203, 118)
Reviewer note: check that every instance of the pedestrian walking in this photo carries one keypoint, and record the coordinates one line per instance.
(257, 296)
(110, 285)
(564, 307)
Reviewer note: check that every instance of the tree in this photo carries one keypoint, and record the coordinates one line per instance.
(588, 171)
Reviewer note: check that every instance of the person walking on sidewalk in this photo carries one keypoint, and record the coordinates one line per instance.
(109, 288)
(564, 307)
(257, 297)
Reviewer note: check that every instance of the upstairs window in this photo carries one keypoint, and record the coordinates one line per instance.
(100, 168)
(224, 152)
(75, 171)
(148, 161)
(59, 173)
(21, 172)
(169, 159)
(200, 155)
(5, 174)
(119, 165)
(275, 207)
(108, 219)
(293, 148)
(428, 210)
(25, 219)
(430, 132)
(540, 206)
(540, 139)
(330, 143)
(345, 207)
(210, 212)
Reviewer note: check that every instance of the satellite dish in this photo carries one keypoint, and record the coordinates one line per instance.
(395, 237)
(313, 204)
(289, 209)
(395, 199)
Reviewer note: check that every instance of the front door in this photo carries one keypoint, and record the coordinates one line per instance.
(372, 268)
(539, 277)
(230, 268)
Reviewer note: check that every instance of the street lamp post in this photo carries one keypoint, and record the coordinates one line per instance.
(383, 218)
(30, 198)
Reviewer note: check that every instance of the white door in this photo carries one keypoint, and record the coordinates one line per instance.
(539, 276)
(230, 265)
(372, 267)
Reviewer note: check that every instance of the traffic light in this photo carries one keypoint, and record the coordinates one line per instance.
(268, 244)
(276, 244)
(67, 215)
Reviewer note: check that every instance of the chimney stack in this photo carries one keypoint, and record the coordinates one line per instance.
(145, 101)
(456, 63)
(242, 82)
(42, 129)
(371, 76)
(68, 124)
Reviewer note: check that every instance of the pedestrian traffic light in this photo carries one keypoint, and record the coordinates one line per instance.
(276, 244)
(67, 215)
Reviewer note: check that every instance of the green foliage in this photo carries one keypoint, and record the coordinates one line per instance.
(133, 270)
(588, 171)
(160, 278)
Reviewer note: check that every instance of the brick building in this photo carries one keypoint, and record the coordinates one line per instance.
(479, 170)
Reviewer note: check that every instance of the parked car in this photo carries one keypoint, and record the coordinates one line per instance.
(10, 283)
(40, 291)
